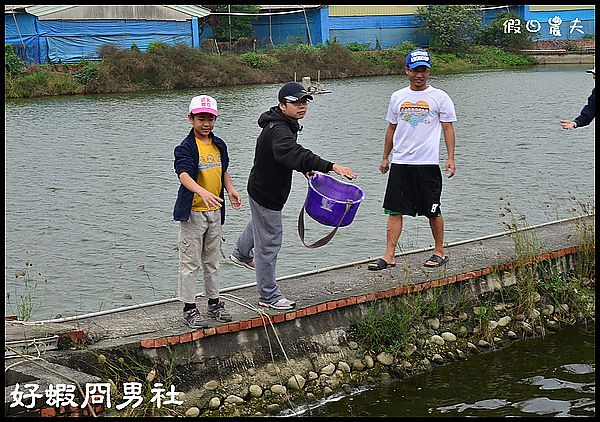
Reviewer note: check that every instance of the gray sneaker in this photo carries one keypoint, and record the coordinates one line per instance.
(282, 304)
(218, 312)
(194, 319)
(241, 263)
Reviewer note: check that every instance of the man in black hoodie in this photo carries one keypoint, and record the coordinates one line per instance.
(276, 155)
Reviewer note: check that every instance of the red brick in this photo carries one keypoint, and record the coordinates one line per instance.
(277, 318)
(210, 331)
(160, 342)
(370, 297)
(197, 335)
(256, 322)
(321, 307)
(185, 338)
(147, 343)
(222, 329)
(379, 295)
(361, 299)
(331, 305)
(351, 301)
(461, 277)
(234, 327)
(173, 340)
(300, 313)
(340, 303)
(47, 412)
(75, 336)
(486, 271)
(245, 325)
(290, 316)
(312, 310)
(390, 292)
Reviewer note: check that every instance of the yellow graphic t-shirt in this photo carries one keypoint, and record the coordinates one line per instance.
(209, 173)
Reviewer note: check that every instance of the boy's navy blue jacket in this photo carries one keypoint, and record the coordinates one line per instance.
(186, 160)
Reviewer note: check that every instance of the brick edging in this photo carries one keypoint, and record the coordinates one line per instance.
(233, 327)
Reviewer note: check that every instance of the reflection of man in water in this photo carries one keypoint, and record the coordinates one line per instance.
(587, 113)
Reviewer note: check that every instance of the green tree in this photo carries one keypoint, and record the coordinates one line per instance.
(452, 28)
(13, 65)
(495, 35)
(241, 26)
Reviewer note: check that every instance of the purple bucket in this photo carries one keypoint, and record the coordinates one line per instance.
(327, 198)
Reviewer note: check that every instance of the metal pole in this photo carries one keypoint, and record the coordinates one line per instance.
(307, 27)
(229, 11)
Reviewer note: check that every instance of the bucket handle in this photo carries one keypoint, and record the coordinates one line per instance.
(325, 240)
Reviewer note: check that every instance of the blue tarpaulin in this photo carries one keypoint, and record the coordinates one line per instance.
(69, 41)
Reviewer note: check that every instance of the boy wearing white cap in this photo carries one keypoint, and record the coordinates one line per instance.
(201, 162)
(588, 112)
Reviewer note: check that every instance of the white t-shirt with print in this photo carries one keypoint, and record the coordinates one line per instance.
(418, 115)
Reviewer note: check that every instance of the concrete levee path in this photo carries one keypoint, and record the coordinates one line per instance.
(315, 292)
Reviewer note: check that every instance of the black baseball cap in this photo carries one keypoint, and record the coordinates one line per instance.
(293, 91)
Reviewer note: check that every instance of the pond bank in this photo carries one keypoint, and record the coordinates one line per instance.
(485, 299)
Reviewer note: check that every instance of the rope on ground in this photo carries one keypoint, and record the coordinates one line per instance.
(32, 360)
(263, 314)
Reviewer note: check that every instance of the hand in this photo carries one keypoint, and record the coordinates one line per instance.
(450, 168)
(235, 199)
(309, 174)
(344, 171)
(384, 166)
(567, 124)
(210, 199)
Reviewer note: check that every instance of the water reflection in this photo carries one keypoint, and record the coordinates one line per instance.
(509, 382)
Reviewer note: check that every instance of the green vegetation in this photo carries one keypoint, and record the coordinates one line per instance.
(27, 297)
(451, 28)
(125, 369)
(231, 28)
(494, 35)
(165, 67)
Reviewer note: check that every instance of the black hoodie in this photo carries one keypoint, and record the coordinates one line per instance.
(277, 153)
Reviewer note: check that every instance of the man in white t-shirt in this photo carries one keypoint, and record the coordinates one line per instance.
(417, 116)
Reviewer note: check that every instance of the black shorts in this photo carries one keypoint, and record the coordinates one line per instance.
(414, 189)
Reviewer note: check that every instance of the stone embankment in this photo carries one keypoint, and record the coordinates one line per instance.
(267, 363)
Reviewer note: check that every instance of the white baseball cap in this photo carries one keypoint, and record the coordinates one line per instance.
(203, 104)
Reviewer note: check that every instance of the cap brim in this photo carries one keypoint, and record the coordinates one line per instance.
(204, 110)
(417, 64)
(591, 71)
(298, 96)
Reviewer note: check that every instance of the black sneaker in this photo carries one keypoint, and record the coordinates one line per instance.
(194, 318)
(218, 312)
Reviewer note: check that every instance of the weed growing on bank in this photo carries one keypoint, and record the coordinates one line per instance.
(165, 67)
(139, 389)
(26, 296)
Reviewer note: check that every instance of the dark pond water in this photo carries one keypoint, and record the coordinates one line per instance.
(549, 376)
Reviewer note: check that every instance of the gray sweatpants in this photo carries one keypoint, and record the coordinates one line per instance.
(199, 247)
(261, 240)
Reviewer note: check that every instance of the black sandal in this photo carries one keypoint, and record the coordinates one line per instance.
(380, 264)
(437, 260)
